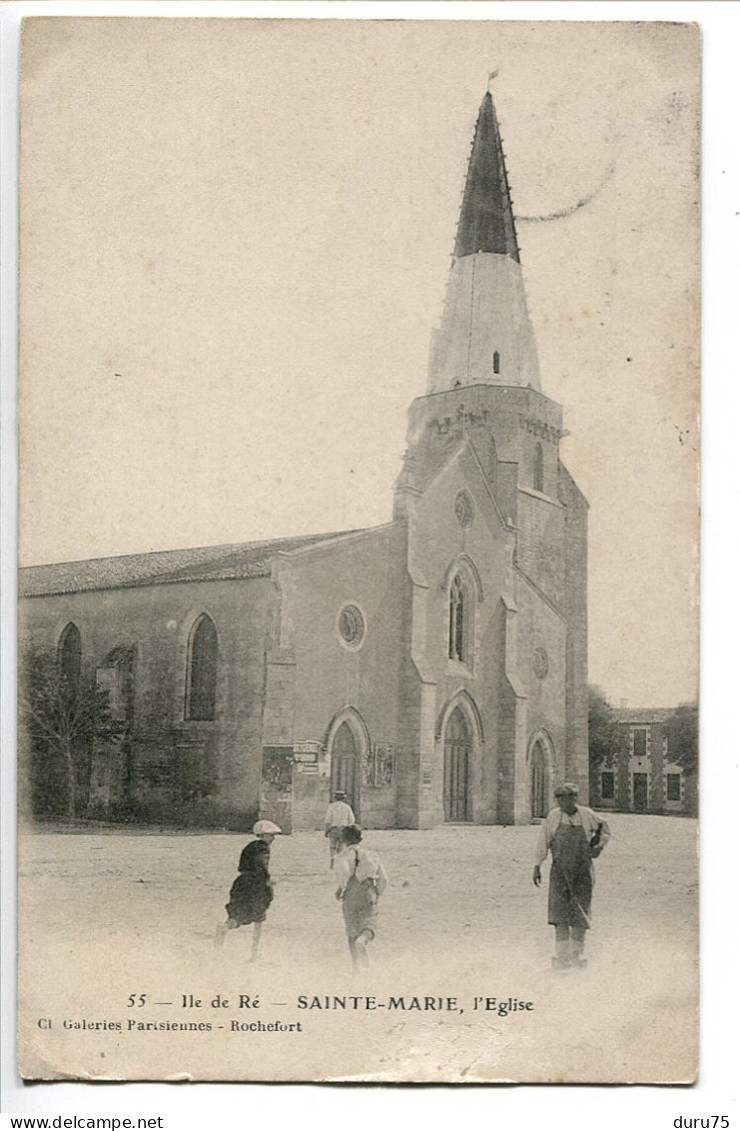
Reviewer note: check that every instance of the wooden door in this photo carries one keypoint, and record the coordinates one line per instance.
(639, 791)
(345, 774)
(457, 768)
(537, 794)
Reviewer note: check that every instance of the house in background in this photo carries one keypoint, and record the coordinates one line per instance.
(644, 778)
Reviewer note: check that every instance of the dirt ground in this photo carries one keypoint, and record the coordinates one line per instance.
(105, 915)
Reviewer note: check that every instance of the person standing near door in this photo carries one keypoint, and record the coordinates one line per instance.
(574, 836)
(339, 816)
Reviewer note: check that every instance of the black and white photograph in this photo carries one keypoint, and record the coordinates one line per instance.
(358, 630)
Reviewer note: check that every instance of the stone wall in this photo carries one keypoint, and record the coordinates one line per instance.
(180, 771)
(333, 678)
(575, 607)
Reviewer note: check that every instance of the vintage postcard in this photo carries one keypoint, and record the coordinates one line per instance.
(359, 369)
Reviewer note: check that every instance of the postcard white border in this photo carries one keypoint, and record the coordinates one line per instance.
(306, 1106)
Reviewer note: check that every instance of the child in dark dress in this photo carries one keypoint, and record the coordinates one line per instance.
(252, 891)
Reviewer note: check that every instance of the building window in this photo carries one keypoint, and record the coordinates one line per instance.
(464, 508)
(607, 786)
(69, 657)
(540, 663)
(639, 742)
(539, 469)
(457, 634)
(673, 787)
(351, 626)
(496, 361)
(202, 663)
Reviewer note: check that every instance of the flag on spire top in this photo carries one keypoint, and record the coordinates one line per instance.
(486, 216)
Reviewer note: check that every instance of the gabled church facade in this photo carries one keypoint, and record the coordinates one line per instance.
(433, 667)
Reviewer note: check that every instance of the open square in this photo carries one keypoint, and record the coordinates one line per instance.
(136, 914)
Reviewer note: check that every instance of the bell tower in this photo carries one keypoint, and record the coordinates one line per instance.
(484, 393)
(484, 381)
(485, 335)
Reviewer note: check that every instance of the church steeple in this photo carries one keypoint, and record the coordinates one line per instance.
(485, 334)
(486, 216)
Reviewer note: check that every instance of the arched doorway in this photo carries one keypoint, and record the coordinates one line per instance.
(457, 768)
(345, 769)
(538, 781)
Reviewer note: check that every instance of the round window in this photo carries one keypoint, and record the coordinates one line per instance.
(540, 663)
(351, 626)
(464, 509)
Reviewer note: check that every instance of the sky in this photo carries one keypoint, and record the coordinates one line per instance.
(235, 237)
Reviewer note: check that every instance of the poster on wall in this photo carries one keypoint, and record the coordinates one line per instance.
(359, 377)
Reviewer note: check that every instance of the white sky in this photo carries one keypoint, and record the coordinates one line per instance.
(251, 223)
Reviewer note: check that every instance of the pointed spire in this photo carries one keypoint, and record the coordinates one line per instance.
(485, 335)
(486, 216)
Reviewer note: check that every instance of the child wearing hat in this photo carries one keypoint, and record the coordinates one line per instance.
(252, 891)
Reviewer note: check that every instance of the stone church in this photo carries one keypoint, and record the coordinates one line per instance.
(433, 667)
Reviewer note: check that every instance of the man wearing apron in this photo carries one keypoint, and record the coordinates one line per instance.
(573, 835)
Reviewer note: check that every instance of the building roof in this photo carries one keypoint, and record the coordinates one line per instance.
(642, 715)
(203, 563)
(486, 216)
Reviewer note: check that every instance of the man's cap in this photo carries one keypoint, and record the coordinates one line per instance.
(266, 827)
(567, 789)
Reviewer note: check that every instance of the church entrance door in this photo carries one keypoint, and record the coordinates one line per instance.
(345, 773)
(537, 793)
(457, 768)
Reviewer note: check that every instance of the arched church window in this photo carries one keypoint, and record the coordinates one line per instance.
(202, 662)
(496, 361)
(457, 633)
(539, 468)
(69, 657)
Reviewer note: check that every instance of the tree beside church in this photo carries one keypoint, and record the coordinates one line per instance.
(607, 740)
(61, 718)
(682, 732)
